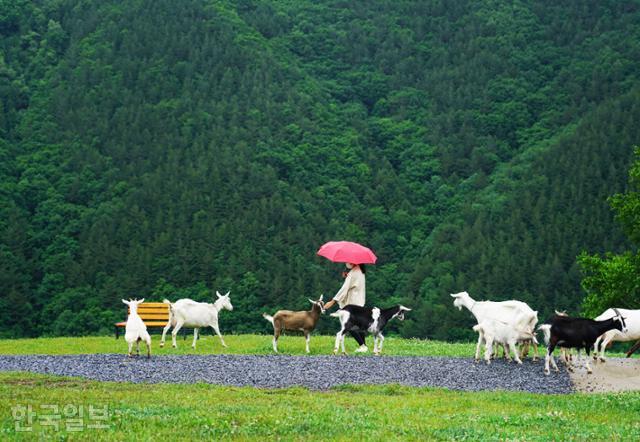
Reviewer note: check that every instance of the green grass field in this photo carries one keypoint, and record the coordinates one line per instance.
(237, 344)
(240, 344)
(188, 412)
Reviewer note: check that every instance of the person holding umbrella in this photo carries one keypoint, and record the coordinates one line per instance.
(353, 290)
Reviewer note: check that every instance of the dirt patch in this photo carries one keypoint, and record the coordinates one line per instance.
(617, 374)
(45, 382)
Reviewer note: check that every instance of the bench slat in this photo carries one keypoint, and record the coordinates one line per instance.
(163, 314)
(147, 323)
(153, 314)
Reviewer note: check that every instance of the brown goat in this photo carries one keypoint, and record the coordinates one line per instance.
(304, 321)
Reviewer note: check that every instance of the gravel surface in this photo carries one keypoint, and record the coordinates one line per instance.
(314, 372)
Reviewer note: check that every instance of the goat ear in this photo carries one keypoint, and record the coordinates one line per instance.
(321, 297)
(141, 301)
(126, 302)
(455, 295)
(312, 301)
(228, 293)
(218, 294)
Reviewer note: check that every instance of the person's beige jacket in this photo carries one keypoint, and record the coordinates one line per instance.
(353, 290)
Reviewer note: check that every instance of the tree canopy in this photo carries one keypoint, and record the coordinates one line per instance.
(170, 149)
(613, 280)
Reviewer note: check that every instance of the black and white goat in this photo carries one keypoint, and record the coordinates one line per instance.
(578, 333)
(366, 319)
(565, 353)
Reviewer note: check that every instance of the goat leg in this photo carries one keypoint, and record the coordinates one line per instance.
(276, 335)
(596, 348)
(635, 347)
(195, 338)
(164, 333)
(512, 345)
(337, 345)
(380, 340)
(175, 331)
(587, 357)
(488, 349)
(217, 330)
(549, 356)
(480, 342)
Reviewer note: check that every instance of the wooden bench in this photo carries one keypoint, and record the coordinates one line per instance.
(153, 314)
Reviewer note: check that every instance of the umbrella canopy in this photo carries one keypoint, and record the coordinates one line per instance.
(347, 251)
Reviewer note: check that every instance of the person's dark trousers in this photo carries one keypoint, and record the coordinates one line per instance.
(358, 336)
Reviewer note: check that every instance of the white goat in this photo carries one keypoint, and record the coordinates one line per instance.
(189, 313)
(499, 332)
(632, 320)
(516, 313)
(135, 330)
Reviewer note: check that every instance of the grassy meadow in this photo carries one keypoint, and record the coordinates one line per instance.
(236, 344)
(201, 411)
(245, 344)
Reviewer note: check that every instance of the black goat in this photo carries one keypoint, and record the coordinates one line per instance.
(366, 319)
(578, 333)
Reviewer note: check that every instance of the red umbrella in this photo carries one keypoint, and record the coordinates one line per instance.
(347, 251)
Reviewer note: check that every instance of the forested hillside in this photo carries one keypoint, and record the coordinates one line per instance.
(169, 149)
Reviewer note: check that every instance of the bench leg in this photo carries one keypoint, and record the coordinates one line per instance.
(117, 331)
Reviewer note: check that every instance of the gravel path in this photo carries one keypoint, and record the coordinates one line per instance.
(314, 372)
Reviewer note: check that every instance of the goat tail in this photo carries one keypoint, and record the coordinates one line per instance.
(166, 301)
(268, 317)
(546, 331)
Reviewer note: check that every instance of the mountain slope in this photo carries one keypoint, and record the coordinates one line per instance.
(165, 149)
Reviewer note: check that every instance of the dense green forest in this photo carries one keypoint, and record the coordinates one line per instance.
(614, 279)
(173, 148)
